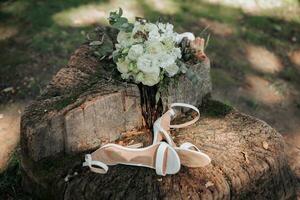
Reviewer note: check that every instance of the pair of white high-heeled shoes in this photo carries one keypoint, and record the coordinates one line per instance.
(163, 155)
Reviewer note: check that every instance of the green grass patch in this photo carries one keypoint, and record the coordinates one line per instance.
(213, 108)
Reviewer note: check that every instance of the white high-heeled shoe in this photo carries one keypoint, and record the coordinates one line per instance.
(159, 156)
(189, 154)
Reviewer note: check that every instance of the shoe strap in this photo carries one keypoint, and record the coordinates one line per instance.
(190, 146)
(185, 106)
(160, 158)
(103, 168)
(167, 136)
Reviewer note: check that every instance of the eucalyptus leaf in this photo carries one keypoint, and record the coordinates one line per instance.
(95, 43)
(121, 23)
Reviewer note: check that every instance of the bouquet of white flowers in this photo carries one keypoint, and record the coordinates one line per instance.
(146, 52)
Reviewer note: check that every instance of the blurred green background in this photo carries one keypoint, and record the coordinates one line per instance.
(254, 50)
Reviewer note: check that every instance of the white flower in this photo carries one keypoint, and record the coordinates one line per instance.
(135, 51)
(151, 27)
(148, 52)
(172, 70)
(165, 59)
(122, 66)
(150, 79)
(138, 27)
(153, 35)
(154, 47)
(169, 28)
(123, 38)
(176, 52)
(189, 35)
(161, 26)
(145, 64)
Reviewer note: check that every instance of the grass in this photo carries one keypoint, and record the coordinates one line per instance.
(42, 46)
(10, 181)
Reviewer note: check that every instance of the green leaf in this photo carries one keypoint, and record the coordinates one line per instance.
(95, 43)
(117, 21)
(104, 47)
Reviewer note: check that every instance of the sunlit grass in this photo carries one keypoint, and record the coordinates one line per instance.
(164, 7)
(271, 8)
(90, 14)
(263, 60)
(263, 90)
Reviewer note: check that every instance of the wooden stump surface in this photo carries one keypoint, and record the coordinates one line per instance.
(248, 162)
(84, 107)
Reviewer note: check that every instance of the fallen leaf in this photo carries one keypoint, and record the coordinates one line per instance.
(265, 145)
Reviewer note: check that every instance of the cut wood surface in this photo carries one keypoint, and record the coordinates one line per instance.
(79, 110)
(243, 166)
(85, 106)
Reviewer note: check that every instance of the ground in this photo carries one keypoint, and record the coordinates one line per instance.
(254, 48)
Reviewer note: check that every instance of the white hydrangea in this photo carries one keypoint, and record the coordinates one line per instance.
(148, 53)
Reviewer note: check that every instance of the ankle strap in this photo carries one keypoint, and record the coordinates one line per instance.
(185, 106)
(103, 168)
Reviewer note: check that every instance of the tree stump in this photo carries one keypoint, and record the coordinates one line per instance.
(84, 107)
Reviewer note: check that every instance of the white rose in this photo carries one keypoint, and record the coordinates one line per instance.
(169, 28)
(122, 66)
(145, 63)
(150, 79)
(172, 70)
(124, 39)
(176, 52)
(165, 59)
(135, 51)
(154, 47)
(151, 27)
